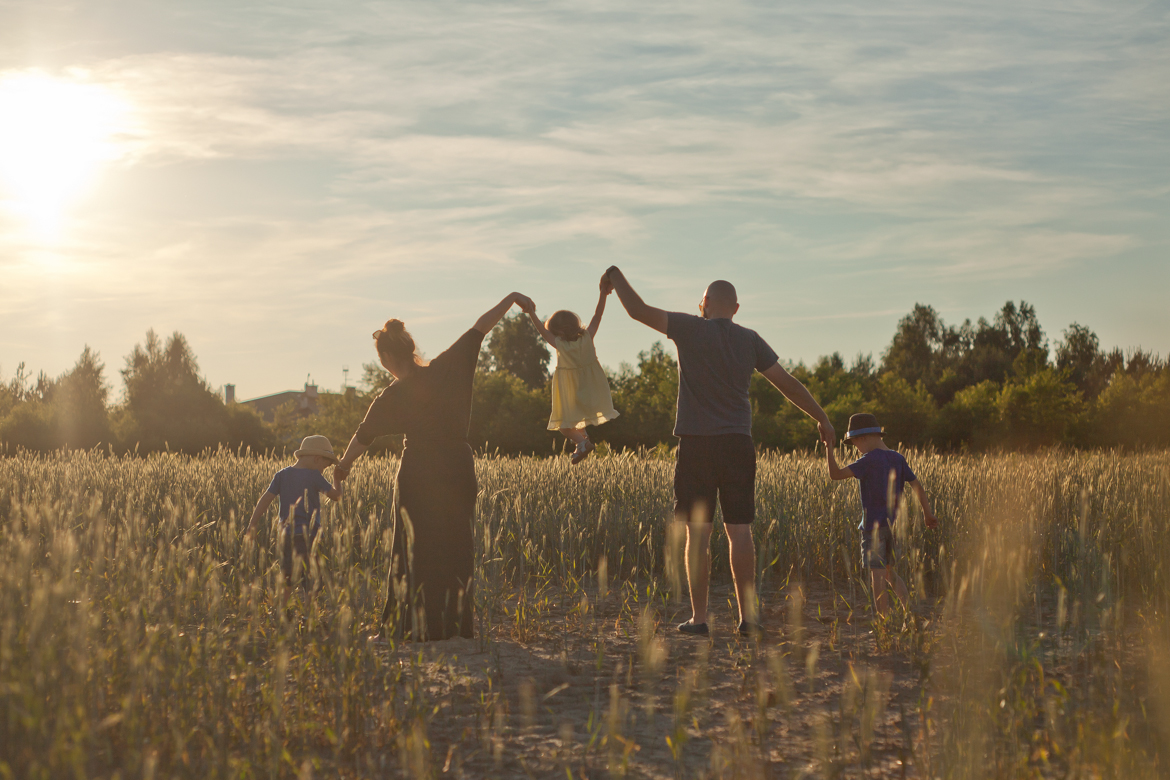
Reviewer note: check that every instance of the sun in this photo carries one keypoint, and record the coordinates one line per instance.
(55, 136)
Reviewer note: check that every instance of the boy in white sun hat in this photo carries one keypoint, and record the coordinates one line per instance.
(299, 488)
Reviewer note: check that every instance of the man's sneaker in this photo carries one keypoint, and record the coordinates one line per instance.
(747, 629)
(583, 449)
(696, 629)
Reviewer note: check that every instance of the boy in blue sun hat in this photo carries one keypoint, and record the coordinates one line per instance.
(882, 474)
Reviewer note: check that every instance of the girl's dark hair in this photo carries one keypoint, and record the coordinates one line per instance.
(393, 340)
(564, 324)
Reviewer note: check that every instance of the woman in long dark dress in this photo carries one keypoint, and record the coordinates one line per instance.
(432, 560)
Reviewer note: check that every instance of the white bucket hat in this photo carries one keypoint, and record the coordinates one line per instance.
(316, 445)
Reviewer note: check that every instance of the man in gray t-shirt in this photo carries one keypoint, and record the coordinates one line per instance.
(716, 359)
(716, 456)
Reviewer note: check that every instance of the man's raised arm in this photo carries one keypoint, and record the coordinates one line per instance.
(633, 303)
(792, 389)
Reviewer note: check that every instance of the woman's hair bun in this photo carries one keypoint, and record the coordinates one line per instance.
(393, 340)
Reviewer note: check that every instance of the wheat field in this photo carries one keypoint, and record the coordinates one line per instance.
(139, 633)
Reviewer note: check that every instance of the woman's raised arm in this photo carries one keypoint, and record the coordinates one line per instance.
(493, 315)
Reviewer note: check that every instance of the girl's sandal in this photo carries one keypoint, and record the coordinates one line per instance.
(583, 449)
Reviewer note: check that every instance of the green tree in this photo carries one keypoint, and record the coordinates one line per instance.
(1012, 344)
(14, 391)
(1132, 411)
(515, 346)
(375, 379)
(69, 411)
(24, 420)
(79, 400)
(971, 419)
(338, 417)
(775, 423)
(246, 429)
(29, 425)
(906, 411)
(841, 392)
(169, 405)
(946, 359)
(918, 350)
(509, 416)
(1078, 356)
(646, 399)
(1041, 410)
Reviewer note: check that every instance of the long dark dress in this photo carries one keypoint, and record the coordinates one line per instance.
(436, 489)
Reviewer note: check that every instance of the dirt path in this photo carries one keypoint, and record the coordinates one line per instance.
(588, 698)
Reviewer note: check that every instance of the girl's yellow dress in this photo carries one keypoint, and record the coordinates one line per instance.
(580, 391)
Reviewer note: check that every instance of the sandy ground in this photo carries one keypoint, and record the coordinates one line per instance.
(586, 698)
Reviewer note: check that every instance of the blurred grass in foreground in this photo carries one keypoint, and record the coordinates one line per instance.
(139, 637)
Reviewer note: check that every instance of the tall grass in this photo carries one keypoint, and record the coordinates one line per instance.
(139, 633)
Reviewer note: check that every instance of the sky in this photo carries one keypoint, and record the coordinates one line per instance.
(275, 180)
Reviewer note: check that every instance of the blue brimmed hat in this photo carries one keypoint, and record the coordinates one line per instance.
(861, 424)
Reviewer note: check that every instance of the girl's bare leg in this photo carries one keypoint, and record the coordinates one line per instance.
(575, 435)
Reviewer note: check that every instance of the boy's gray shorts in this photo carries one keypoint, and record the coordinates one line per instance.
(877, 547)
(296, 543)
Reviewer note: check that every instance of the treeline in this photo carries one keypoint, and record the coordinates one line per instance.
(992, 384)
(166, 404)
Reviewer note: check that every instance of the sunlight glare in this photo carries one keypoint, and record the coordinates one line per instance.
(55, 134)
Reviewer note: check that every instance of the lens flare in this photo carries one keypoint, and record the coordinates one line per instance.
(55, 136)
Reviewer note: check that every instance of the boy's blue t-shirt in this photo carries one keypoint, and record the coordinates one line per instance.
(300, 488)
(873, 475)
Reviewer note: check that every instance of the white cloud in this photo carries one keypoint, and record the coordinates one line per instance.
(989, 142)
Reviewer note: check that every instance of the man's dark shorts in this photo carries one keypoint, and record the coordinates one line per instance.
(715, 466)
(296, 544)
(877, 547)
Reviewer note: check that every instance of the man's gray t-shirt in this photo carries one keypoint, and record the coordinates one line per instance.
(715, 363)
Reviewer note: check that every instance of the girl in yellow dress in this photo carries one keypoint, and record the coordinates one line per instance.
(580, 391)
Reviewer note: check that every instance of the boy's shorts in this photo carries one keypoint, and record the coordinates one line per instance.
(711, 467)
(294, 544)
(877, 547)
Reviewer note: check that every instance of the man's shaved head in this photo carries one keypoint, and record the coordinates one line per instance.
(719, 301)
(722, 294)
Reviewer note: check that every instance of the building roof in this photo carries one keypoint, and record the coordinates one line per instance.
(304, 402)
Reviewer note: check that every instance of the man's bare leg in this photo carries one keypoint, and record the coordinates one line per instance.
(698, 568)
(743, 569)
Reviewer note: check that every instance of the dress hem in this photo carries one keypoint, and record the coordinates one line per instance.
(556, 425)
